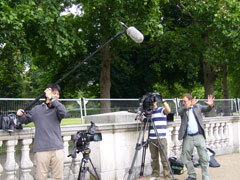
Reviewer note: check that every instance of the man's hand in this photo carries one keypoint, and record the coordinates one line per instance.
(194, 101)
(20, 112)
(48, 93)
(210, 101)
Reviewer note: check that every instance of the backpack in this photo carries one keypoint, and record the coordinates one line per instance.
(9, 123)
(213, 162)
(176, 165)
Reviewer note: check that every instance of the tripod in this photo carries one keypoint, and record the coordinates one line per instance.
(84, 168)
(144, 144)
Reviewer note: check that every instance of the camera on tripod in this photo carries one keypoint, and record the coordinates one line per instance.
(148, 100)
(82, 140)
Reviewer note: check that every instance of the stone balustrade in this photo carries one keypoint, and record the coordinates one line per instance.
(113, 156)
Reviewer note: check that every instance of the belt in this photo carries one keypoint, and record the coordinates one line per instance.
(193, 134)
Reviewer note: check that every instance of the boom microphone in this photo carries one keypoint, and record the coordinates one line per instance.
(134, 34)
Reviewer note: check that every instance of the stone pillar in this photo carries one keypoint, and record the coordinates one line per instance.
(216, 135)
(226, 134)
(76, 165)
(170, 141)
(221, 134)
(67, 160)
(1, 168)
(207, 134)
(26, 163)
(211, 136)
(11, 165)
(177, 143)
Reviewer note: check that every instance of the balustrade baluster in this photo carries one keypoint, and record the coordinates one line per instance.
(67, 160)
(76, 165)
(11, 165)
(206, 129)
(216, 135)
(211, 135)
(177, 143)
(221, 134)
(26, 163)
(1, 168)
(226, 133)
(170, 141)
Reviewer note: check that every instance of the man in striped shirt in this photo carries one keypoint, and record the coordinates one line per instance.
(159, 118)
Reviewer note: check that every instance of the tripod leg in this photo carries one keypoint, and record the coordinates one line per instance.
(82, 171)
(94, 169)
(138, 147)
(143, 159)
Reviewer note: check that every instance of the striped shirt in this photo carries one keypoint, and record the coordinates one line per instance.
(160, 121)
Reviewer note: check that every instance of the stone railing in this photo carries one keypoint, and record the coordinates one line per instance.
(112, 156)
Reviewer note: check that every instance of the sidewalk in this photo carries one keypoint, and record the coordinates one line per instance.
(229, 169)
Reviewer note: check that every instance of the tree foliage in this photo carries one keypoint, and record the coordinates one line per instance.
(35, 33)
(188, 44)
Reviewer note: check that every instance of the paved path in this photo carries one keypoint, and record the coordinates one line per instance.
(229, 169)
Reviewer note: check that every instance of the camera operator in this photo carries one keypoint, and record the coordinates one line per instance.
(48, 144)
(159, 118)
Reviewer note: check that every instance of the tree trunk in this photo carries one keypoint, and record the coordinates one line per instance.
(105, 81)
(209, 78)
(227, 106)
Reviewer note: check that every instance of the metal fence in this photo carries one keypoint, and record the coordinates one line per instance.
(78, 108)
(11, 105)
(222, 107)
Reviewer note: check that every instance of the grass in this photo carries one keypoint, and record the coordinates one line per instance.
(68, 121)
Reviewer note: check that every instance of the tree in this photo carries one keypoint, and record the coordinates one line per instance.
(201, 32)
(101, 20)
(34, 33)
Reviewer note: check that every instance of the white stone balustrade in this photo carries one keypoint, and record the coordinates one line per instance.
(1, 168)
(11, 165)
(112, 156)
(26, 163)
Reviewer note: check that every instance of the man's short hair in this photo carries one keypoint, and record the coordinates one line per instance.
(54, 87)
(187, 95)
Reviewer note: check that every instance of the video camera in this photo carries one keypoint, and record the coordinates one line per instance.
(82, 140)
(148, 100)
(146, 103)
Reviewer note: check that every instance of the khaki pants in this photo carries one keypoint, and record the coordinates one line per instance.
(44, 159)
(198, 141)
(155, 151)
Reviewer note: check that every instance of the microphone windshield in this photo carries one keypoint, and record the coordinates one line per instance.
(135, 35)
